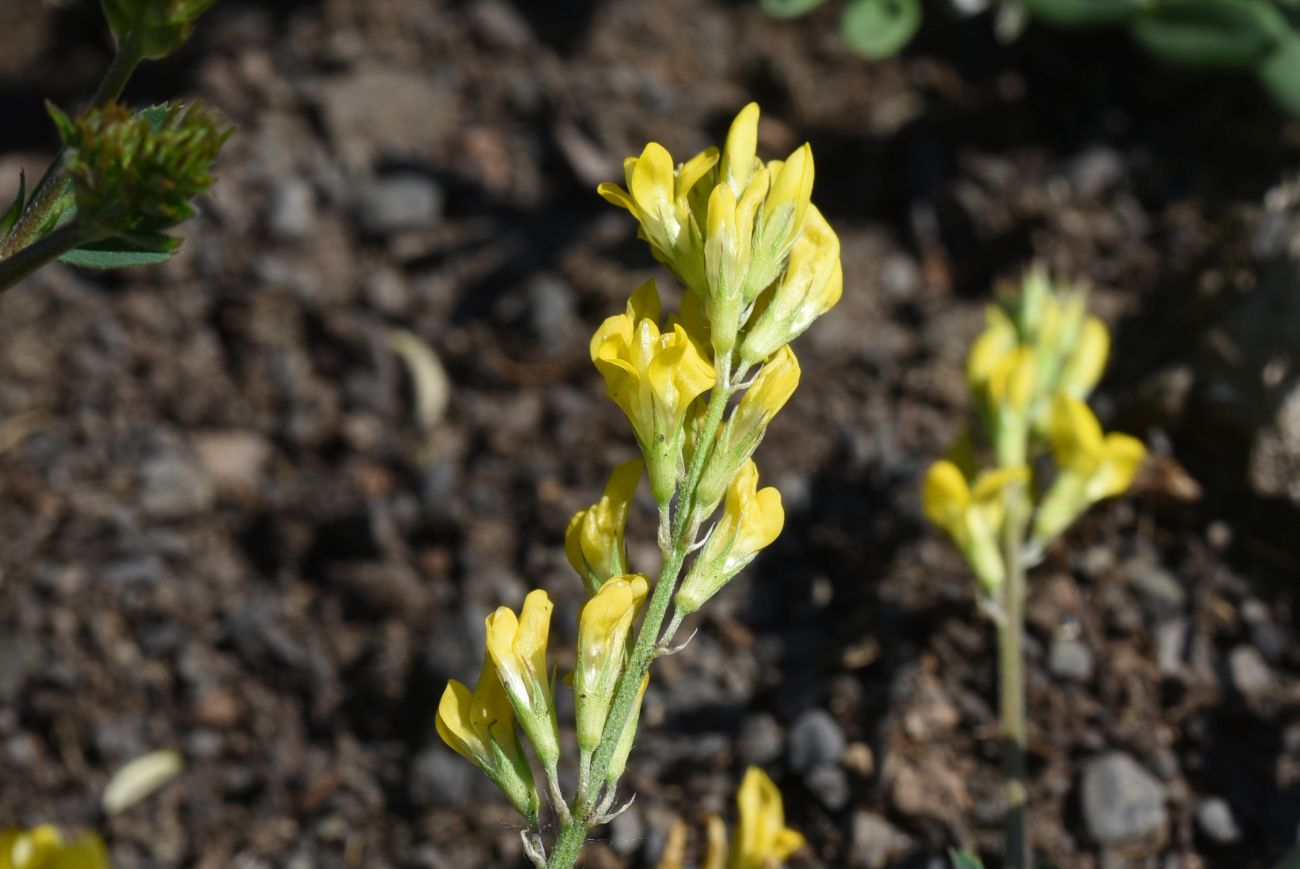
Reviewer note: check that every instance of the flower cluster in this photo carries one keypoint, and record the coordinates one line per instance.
(1030, 373)
(759, 263)
(763, 841)
(44, 847)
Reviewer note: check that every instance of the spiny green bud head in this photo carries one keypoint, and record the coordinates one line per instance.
(154, 28)
(138, 172)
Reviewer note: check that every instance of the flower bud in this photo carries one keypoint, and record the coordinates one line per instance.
(517, 647)
(156, 27)
(603, 630)
(593, 541)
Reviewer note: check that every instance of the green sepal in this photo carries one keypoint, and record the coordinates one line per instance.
(511, 773)
(15, 210)
(878, 29)
(788, 8)
(1086, 13)
(1211, 34)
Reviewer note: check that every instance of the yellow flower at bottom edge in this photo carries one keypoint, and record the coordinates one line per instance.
(44, 847)
(517, 647)
(972, 517)
(762, 838)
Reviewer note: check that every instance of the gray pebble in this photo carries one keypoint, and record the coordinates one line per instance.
(875, 841)
(399, 203)
(1070, 659)
(293, 210)
(814, 739)
(760, 740)
(1122, 802)
(1214, 819)
(829, 783)
(1161, 594)
(172, 487)
(1249, 672)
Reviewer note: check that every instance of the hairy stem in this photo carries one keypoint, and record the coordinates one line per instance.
(45, 250)
(1011, 683)
(572, 835)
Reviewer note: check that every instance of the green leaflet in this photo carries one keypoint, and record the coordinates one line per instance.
(1215, 34)
(877, 29)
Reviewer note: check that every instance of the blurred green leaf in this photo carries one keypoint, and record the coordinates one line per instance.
(1281, 77)
(11, 215)
(1211, 34)
(116, 253)
(788, 8)
(877, 29)
(1086, 13)
(965, 860)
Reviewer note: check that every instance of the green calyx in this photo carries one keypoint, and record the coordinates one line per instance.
(153, 28)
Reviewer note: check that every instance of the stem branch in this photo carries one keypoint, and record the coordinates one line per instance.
(48, 248)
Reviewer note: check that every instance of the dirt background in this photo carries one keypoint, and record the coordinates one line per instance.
(227, 532)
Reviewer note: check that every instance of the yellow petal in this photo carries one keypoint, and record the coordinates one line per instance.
(1014, 380)
(1086, 363)
(761, 837)
(775, 383)
(1123, 456)
(946, 496)
(740, 149)
(675, 847)
(573, 543)
(491, 715)
(534, 629)
(715, 857)
(644, 304)
(694, 169)
(615, 195)
(792, 187)
(1075, 436)
(989, 484)
(454, 723)
(502, 626)
(653, 182)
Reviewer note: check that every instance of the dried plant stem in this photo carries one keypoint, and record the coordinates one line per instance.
(1011, 682)
(572, 834)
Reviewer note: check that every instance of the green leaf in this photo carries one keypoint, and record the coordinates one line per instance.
(1211, 34)
(788, 8)
(15, 210)
(118, 253)
(965, 860)
(877, 29)
(62, 122)
(1086, 13)
(1280, 75)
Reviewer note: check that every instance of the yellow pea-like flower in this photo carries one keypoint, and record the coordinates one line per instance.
(659, 197)
(994, 344)
(751, 519)
(811, 285)
(743, 432)
(593, 541)
(480, 726)
(517, 647)
(762, 838)
(653, 377)
(1091, 466)
(739, 153)
(972, 517)
(1085, 364)
(44, 847)
(603, 629)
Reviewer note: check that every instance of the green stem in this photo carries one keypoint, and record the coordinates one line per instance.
(572, 835)
(119, 72)
(1011, 683)
(45, 250)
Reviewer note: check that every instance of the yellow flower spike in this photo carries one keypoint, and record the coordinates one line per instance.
(603, 629)
(739, 154)
(517, 647)
(44, 847)
(1092, 466)
(1085, 364)
(480, 727)
(762, 838)
(811, 285)
(653, 377)
(751, 520)
(593, 541)
(744, 431)
(973, 519)
(618, 761)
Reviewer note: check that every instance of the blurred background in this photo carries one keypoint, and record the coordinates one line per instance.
(244, 519)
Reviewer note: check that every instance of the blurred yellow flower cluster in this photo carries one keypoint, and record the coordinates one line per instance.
(44, 847)
(763, 841)
(759, 263)
(1030, 373)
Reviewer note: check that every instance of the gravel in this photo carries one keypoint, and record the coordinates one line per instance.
(1122, 802)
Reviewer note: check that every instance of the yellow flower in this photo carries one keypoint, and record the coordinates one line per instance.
(660, 199)
(1091, 466)
(743, 432)
(972, 518)
(811, 285)
(994, 344)
(762, 838)
(603, 630)
(517, 647)
(1085, 364)
(739, 153)
(728, 254)
(44, 847)
(480, 727)
(751, 519)
(593, 541)
(654, 378)
(787, 203)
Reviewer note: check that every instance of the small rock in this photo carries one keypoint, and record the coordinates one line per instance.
(552, 316)
(233, 460)
(760, 740)
(1094, 171)
(1214, 819)
(293, 210)
(1070, 659)
(1122, 802)
(814, 739)
(875, 841)
(173, 487)
(398, 203)
(830, 784)
(500, 25)
(1249, 672)
(1161, 594)
(440, 777)
(387, 113)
